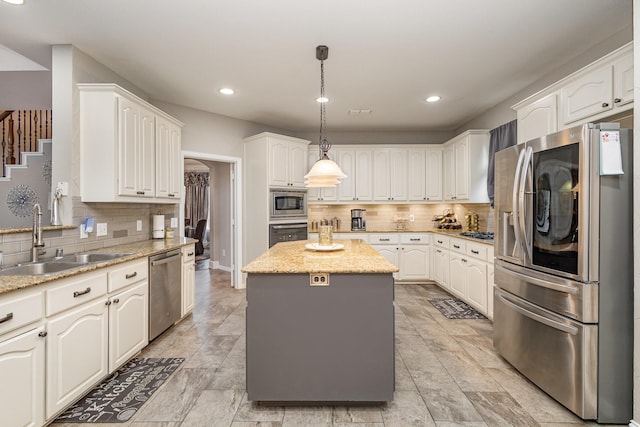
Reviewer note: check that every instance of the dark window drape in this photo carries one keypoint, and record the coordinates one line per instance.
(501, 137)
(196, 201)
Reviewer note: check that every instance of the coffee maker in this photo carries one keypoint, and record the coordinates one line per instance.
(358, 220)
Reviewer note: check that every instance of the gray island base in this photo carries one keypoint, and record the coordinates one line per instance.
(329, 343)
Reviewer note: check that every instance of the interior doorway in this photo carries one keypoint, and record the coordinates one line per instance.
(225, 246)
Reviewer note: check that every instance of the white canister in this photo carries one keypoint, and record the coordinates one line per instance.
(157, 228)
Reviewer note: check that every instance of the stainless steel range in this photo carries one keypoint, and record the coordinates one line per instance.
(563, 306)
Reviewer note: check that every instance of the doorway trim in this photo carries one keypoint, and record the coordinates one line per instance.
(236, 194)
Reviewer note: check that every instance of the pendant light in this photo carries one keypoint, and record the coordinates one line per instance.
(325, 172)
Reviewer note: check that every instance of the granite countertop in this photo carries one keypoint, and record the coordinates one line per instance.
(136, 250)
(292, 258)
(450, 233)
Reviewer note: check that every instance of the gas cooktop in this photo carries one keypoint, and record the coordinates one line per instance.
(478, 235)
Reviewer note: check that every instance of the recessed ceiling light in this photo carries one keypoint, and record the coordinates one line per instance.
(226, 91)
(14, 1)
(322, 99)
(433, 98)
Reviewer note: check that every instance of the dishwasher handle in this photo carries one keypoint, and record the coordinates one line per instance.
(165, 260)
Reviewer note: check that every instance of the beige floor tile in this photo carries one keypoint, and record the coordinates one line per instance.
(213, 408)
(256, 412)
(357, 414)
(446, 402)
(500, 409)
(467, 373)
(406, 409)
(295, 416)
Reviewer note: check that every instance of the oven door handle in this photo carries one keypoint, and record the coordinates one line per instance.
(538, 318)
(539, 282)
(281, 227)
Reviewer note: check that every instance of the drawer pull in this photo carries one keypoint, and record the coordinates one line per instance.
(42, 334)
(456, 246)
(414, 240)
(616, 100)
(107, 303)
(171, 195)
(140, 193)
(190, 254)
(384, 240)
(473, 251)
(131, 276)
(6, 318)
(463, 260)
(438, 251)
(80, 293)
(605, 104)
(440, 241)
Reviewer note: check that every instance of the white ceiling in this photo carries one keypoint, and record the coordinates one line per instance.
(384, 55)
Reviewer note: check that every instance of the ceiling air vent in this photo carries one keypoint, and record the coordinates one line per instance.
(359, 112)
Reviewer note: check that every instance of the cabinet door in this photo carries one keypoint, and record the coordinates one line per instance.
(390, 252)
(128, 134)
(449, 168)
(128, 324)
(381, 178)
(188, 287)
(591, 94)
(77, 353)
(397, 174)
(433, 185)
(22, 372)
(297, 164)
(477, 285)
(441, 268)
(363, 171)
(462, 169)
(278, 163)
(623, 81)
(176, 182)
(458, 278)
(163, 158)
(538, 119)
(146, 153)
(347, 187)
(414, 262)
(416, 174)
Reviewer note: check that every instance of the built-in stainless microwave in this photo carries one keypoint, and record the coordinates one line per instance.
(287, 204)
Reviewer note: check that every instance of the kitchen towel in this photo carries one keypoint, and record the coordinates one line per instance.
(119, 397)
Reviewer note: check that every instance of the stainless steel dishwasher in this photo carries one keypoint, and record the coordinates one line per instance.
(165, 291)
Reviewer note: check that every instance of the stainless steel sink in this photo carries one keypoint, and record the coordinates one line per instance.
(89, 258)
(39, 268)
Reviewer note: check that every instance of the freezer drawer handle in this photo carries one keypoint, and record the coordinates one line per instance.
(554, 286)
(551, 323)
(6, 318)
(80, 293)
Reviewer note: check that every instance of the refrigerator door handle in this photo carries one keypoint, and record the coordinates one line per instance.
(538, 318)
(522, 214)
(539, 282)
(515, 210)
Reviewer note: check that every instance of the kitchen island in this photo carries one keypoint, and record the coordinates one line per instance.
(320, 325)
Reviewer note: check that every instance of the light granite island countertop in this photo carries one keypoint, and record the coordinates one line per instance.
(320, 325)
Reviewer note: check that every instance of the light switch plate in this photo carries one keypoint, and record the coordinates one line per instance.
(174, 223)
(139, 225)
(83, 232)
(101, 229)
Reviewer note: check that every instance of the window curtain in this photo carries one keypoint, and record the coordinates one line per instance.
(500, 138)
(196, 203)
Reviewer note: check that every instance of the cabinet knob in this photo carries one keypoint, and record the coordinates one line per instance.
(107, 303)
(463, 260)
(475, 252)
(605, 104)
(616, 100)
(42, 334)
(456, 246)
(117, 300)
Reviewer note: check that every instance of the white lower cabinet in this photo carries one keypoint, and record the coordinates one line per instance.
(188, 279)
(414, 262)
(22, 393)
(128, 324)
(76, 353)
(468, 269)
(407, 251)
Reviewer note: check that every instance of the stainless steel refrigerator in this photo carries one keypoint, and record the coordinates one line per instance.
(563, 305)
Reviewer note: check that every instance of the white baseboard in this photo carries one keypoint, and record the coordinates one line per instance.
(215, 265)
(633, 423)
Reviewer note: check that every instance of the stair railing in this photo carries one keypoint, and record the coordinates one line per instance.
(20, 132)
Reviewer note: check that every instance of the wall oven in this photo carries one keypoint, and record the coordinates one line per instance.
(563, 305)
(287, 232)
(287, 204)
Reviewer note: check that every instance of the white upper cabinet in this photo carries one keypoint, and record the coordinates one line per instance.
(120, 136)
(168, 173)
(287, 161)
(538, 118)
(597, 91)
(357, 165)
(466, 159)
(390, 177)
(434, 174)
(424, 174)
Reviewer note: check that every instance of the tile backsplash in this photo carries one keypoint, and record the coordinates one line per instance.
(121, 219)
(381, 217)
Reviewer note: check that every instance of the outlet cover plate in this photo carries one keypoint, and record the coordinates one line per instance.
(101, 229)
(139, 225)
(174, 223)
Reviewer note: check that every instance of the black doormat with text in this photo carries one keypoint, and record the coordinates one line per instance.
(118, 397)
(453, 308)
